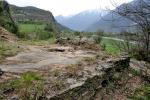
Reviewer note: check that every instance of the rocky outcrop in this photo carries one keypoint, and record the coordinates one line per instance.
(88, 89)
(79, 43)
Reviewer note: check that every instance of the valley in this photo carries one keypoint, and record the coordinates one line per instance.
(81, 57)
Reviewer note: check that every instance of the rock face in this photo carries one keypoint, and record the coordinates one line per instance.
(80, 43)
(31, 14)
(88, 89)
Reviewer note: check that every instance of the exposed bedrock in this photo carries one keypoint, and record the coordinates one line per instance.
(88, 89)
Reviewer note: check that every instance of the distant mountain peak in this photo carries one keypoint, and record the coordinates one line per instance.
(81, 20)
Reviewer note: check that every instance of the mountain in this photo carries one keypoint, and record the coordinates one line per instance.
(33, 14)
(80, 21)
(112, 22)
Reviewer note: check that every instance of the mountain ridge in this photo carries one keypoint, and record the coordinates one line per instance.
(34, 14)
(80, 21)
(108, 24)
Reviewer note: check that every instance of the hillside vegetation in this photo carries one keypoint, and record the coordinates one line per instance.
(35, 15)
(6, 19)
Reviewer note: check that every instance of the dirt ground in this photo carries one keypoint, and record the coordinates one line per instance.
(34, 57)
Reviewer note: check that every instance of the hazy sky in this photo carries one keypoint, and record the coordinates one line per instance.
(67, 7)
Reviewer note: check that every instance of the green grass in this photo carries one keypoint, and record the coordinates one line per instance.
(27, 28)
(110, 46)
(34, 31)
(38, 42)
(25, 86)
(8, 49)
(26, 80)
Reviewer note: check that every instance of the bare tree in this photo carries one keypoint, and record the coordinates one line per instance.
(138, 11)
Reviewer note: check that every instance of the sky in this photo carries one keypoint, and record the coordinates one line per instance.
(67, 7)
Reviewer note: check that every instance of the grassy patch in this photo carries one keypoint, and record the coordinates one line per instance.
(26, 28)
(34, 31)
(28, 87)
(26, 80)
(39, 42)
(110, 46)
(8, 49)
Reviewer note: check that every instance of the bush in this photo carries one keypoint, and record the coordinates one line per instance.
(140, 54)
(98, 37)
(50, 27)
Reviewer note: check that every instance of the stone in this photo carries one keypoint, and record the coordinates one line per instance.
(15, 97)
(1, 72)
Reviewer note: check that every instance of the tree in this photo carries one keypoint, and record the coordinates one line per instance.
(139, 13)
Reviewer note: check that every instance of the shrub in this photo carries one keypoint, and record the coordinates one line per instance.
(135, 72)
(98, 37)
(140, 54)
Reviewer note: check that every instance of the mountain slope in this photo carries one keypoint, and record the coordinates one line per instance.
(33, 14)
(112, 22)
(80, 21)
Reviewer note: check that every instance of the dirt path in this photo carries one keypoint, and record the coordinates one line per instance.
(121, 40)
(35, 57)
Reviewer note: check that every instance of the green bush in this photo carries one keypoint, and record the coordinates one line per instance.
(98, 39)
(135, 72)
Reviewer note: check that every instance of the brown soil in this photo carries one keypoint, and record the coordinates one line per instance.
(7, 36)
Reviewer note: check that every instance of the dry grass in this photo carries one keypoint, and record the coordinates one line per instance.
(73, 70)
